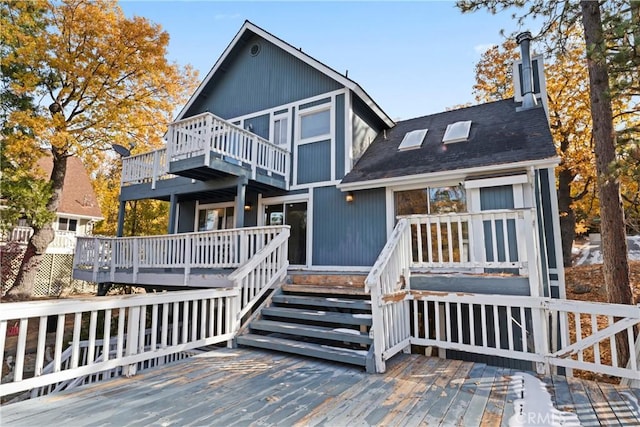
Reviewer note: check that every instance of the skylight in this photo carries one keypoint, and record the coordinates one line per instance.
(413, 140)
(457, 132)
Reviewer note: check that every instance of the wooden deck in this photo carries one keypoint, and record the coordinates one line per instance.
(251, 387)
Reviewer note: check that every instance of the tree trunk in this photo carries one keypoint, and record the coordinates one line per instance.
(614, 242)
(567, 215)
(38, 243)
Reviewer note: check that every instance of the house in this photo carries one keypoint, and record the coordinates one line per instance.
(76, 215)
(274, 144)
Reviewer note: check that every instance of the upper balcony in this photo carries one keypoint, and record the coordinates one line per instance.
(204, 147)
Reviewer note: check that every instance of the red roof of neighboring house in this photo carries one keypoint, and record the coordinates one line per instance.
(78, 197)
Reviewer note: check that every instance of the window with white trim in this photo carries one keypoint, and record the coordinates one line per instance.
(215, 219)
(281, 131)
(67, 224)
(315, 124)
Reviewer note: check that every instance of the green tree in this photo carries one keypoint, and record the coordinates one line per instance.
(102, 78)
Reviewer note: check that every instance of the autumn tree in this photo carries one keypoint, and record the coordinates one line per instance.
(569, 120)
(99, 79)
(603, 63)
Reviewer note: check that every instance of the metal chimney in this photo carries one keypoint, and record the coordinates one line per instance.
(528, 98)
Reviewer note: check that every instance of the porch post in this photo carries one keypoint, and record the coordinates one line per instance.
(173, 210)
(120, 229)
(240, 201)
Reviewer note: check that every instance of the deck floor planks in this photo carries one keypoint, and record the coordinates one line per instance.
(625, 411)
(494, 410)
(367, 395)
(560, 394)
(285, 390)
(583, 408)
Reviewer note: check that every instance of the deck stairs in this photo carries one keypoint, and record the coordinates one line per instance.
(321, 320)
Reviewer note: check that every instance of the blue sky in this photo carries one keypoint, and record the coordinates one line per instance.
(413, 58)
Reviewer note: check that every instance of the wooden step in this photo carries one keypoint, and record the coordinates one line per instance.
(334, 334)
(318, 316)
(316, 301)
(325, 290)
(328, 279)
(354, 357)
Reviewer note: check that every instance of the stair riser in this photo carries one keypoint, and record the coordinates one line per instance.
(300, 332)
(285, 300)
(331, 318)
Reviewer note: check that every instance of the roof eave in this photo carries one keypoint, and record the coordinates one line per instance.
(443, 175)
(348, 83)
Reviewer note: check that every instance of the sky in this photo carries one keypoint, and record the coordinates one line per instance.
(413, 58)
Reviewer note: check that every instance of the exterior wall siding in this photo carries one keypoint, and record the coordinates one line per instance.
(499, 198)
(254, 83)
(365, 128)
(339, 137)
(258, 125)
(348, 234)
(314, 162)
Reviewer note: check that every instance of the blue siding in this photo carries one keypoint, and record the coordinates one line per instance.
(259, 125)
(348, 234)
(315, 103)
(339, 136)
(542, 229)
(365, 127)
(245, 83)
(548, 215)
(314, 162)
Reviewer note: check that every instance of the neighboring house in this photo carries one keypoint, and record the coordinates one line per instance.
(273, 136)
(77, 213)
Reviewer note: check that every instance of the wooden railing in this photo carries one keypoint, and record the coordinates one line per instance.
(208, 249)
(488, 239)
(202, 135)
(265, 269)
(63, 241)
(390, 275)
(146, 167)
(179, 321)
(497, 325)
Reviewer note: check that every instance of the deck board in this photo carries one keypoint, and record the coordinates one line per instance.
(247, 387)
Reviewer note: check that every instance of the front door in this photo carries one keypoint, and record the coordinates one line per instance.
(294, 215)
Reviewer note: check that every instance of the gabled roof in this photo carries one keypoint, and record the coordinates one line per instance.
(78, 197)
(499, 137)
(298, 53)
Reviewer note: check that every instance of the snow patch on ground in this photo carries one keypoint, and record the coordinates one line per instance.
(534, 406)
(360, 352)
(347, 331)
(591, 253)
(362, 316)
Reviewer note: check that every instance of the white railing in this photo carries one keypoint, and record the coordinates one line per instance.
(63, 241)
(201, 135)
(264, 270)
(208, 249)
(488, 239)
(179, 321)
(146, 167)
(390, 276)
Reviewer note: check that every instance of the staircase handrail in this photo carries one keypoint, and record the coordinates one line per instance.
(274, 261)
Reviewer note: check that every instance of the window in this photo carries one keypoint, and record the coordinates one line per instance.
(315, 124)
(281, 132)
(413, 139)
(215, 219)
(437, 200)
(66, 224)
(457, 132)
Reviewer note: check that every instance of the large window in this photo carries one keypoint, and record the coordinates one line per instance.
(431, 201)
(215, 219)
(315, 124)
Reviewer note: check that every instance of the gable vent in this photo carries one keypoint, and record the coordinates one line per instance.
(255, 49)
(413, 140)
(457, 132)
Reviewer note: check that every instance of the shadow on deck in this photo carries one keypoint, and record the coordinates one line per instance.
(253, 387)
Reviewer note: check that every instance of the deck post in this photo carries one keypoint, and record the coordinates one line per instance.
(173, 210)
(240, 201)
(133, 326)
(121, 212)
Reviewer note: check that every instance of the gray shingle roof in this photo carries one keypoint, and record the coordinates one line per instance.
(499, 135)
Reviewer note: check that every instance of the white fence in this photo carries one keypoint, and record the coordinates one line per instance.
(202, 135)
(208, 249)
(144, 327)
(496, 325)
(63, 241)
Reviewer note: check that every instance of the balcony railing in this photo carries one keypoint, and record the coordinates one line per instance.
(63, 241)
(206, 135)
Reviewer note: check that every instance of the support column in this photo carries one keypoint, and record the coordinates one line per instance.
(240, 201)
(173, 211)
(121, 210)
